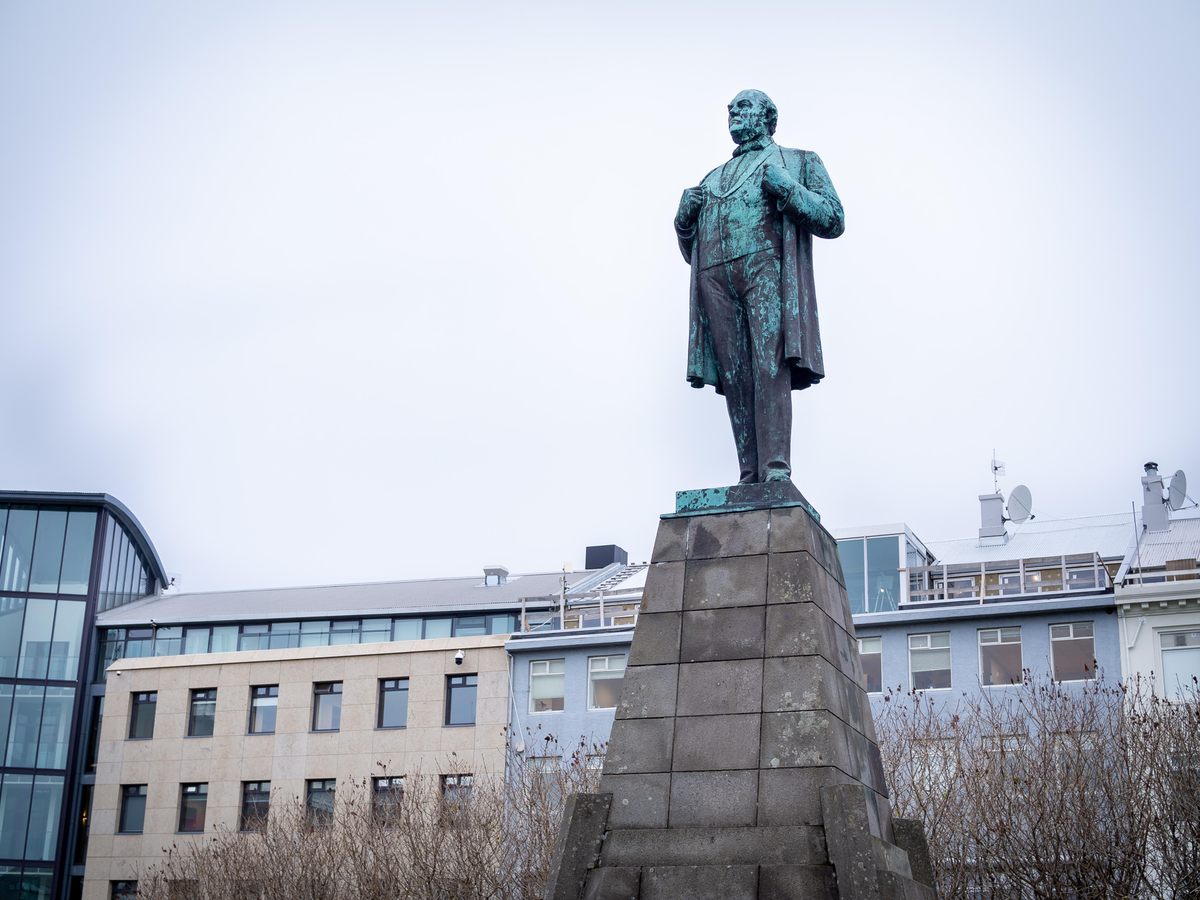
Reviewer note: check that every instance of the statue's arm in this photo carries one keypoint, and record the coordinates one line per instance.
(814, 204)
(686, 218)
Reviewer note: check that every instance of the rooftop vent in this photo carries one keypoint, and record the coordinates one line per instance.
(604, 555)
(1154, 508)
(991, 519)
(495, 575)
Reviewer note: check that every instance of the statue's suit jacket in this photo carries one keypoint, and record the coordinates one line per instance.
(813, 208)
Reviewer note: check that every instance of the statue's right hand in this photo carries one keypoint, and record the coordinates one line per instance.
(690, 205)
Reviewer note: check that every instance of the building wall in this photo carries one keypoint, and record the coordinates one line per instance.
(293, 753)
(1147, 613)
(964, 645)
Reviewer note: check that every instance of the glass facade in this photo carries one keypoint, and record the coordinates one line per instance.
(170, 640)
(124, 576)
(872, 570)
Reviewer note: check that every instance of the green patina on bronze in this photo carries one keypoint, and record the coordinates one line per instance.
(746, 231)
(739, 498)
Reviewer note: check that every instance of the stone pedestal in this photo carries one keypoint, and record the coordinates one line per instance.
(742, 761)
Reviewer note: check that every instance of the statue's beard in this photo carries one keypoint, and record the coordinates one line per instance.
(748, 131)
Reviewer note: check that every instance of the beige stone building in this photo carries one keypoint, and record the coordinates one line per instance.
(188, 741)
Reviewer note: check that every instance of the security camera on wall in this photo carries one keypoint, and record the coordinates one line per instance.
(459, 657)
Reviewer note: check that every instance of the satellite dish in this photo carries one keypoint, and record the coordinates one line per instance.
(1177, 492)
(1020, 504)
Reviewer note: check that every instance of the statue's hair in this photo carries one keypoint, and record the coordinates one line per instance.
(771, 109)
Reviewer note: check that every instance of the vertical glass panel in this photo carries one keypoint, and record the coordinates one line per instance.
(133, 809)
(6, 702)
(438, 628)
(139, 642)
(345, 632)
(202, 712)
(502, 624)
(43, 817)
(406, 629)
(284, 635)
(470, 626)
(195, 640)
(18, 548)
(883, 574)
(851, 555)
(77, 552)
(15, 795)
(142, 709)
(193, 804)
(35, 638)
(106, 567)
(254, 637)
(314, 634)
(375, 630)
(35, 884)
(118, 570)
(48, 551)
(130, 575)
(68, 635)
(12, 613)
(168, 640)
(55, 736)
(460, 699)
(93, 735)
(224, 639)
(24, 725)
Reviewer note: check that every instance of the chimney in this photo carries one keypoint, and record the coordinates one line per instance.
(604, 555)
(495, 575)
(991, 519)
(1154, 508)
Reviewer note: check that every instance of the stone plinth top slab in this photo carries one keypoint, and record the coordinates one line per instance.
(739, 498)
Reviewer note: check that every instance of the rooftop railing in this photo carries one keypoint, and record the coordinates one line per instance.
(1006, 579)
(591, 614)
(1174, 570)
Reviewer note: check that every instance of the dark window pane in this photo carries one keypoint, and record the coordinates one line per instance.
(42, 840)
(124, 890)
(12, 615)
(139, 642)
(55, 734)
(264, 701)
(202, 712)
(48, 551)
(141, 715)
(470, 626)
(193, 803)
(17, 550)
(15, 794)
(460, 699)
(133, 808)
(327, 706)
(319, 800)
(393, 703)
(24, 726)
(93, 738)
(256, 805)
(168, 640)
(77, 554)
(387, 794)
(6, 705)
(35, 638)
(1074, 660)
(68, 635)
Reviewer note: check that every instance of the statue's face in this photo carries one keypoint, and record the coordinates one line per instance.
(747, 116)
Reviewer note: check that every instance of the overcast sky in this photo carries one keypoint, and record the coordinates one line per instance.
(361, 291)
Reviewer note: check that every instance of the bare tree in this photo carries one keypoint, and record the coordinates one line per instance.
(1042, 790)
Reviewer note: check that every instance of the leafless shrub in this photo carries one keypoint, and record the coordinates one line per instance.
(489, 838)
(1043, 790)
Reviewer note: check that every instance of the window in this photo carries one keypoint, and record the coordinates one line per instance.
(141, 715)
(1073, 651)
(870, 651)
(319, 800)
(264, 702)
(393, 703)
(123, 890)
(386, 795)
(254, 637)
(547, 681)
(327, 706)
(871, 567)
(1180, 662)
(201, 712)
(456, 789)
(133, 809)
(605, 674)
(460, 699)
(193, 801)
(929, 660)
(256, 805)
(1000, 656)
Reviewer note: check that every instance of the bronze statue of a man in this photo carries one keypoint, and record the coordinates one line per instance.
(747, 232)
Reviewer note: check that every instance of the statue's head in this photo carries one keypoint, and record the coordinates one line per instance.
(752, 114)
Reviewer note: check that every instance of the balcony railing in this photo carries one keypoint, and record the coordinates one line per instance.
(601, 612)
(1006, 579)
(1175, 570)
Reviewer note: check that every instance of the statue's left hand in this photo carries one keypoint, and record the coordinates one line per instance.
(776, 181)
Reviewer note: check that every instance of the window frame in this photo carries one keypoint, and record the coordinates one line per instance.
(862, 654)
(254, 822)
(1073, 637)
(390, 787)
(562, 697)
(382, 692)
(320, 817)
(253, 708)
(125, 795)
(591, 695)
(135, 706)
(191, 719)
(929, 646)
(1179, 691)
(473, 686)
(999, 630)
(322, 689)
(192, 789)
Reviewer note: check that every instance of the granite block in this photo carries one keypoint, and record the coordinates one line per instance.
(664, 588)
(670, 543)
(793, 796)
(793, 578)
(739, 581)
(714, 634)
(797, 883)
(847, 835)
(803, 629)
(728, 535)
(638, 801)
(613, 883)
(711, 882)
(720, 688)
(583, 825)
(864, 761)
(810, 682)
(655, 639)
(713, 798)
(792, 739)
(637, 746)
(794, 844)
(910, 837)
(793, 529)
(712, 743)
(648, 692)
